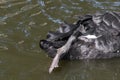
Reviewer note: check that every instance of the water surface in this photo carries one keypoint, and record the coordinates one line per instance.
(24, 22)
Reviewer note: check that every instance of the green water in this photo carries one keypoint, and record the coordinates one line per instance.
(24, 22)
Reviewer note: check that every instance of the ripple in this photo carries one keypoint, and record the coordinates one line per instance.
(42, 3)
(21, 42)
(105, 4)
(28, 7)
(35, 14)
(14, 4)
(51, 18)
(3, 47)
(2, 23)
(23, 9)
(44, 24)
(3, 35)
(24, 22)
(6, 1)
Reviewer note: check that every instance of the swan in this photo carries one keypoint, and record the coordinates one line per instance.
(94, 36)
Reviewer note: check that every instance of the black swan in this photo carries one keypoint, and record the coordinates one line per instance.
(94, 36)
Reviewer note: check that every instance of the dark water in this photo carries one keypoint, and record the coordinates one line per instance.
(24, 22)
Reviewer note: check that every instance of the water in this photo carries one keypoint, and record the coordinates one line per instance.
(24, 22)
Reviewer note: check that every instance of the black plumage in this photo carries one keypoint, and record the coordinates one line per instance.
(92, 37)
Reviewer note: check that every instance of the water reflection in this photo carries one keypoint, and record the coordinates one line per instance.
(24, 22)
